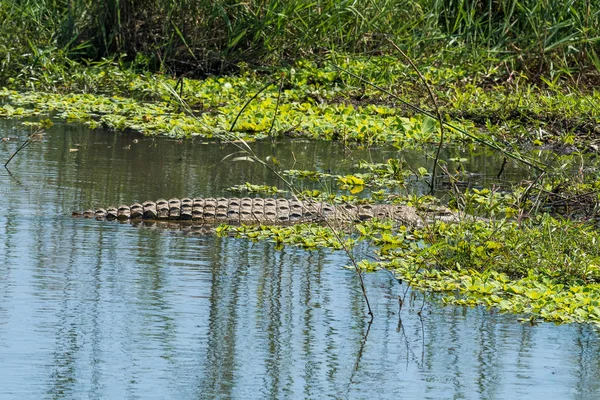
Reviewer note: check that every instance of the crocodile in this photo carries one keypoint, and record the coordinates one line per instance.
(273, 211)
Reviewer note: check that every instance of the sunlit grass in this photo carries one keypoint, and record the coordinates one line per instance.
(541, 38)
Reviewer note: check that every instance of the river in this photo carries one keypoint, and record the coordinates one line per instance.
(104, 310)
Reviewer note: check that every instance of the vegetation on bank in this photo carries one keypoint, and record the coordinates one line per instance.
(317, 101)
(545, 268)
(195, 38)
(507, 74)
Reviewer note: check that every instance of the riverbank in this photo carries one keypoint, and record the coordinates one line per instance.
(354, 100)
(369, 102)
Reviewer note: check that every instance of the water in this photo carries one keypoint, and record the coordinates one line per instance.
(105, 310)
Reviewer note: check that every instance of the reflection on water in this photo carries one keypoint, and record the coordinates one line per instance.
(103, 310)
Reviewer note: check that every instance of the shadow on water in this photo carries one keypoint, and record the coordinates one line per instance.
(103, 310)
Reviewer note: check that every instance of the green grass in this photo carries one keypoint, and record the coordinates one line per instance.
(541, 38)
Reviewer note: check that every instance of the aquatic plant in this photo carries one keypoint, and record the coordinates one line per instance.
(545, 270)
(318, 101)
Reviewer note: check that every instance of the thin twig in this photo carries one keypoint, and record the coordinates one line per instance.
(437, 111)
(243, 146)
(247, 104)
(526, 192)
(420, 313)
(502, 168)
(18, 150)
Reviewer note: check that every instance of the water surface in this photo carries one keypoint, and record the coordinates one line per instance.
(103, 310)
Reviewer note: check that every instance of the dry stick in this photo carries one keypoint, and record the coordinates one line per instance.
(247, 104)
(245, 148)
(18, 150)
(419, 110)
(502, 168)
(254, 157)
(437, 111)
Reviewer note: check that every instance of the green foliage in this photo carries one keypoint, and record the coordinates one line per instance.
(536, 297)
(498, 69)
(547, 268)
(563, 251)
(317, 102)
(488, 203)
(307, 236)
(536, 33)
(552, 37)
(219, 100)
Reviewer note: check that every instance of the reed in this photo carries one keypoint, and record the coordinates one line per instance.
(197, 37)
